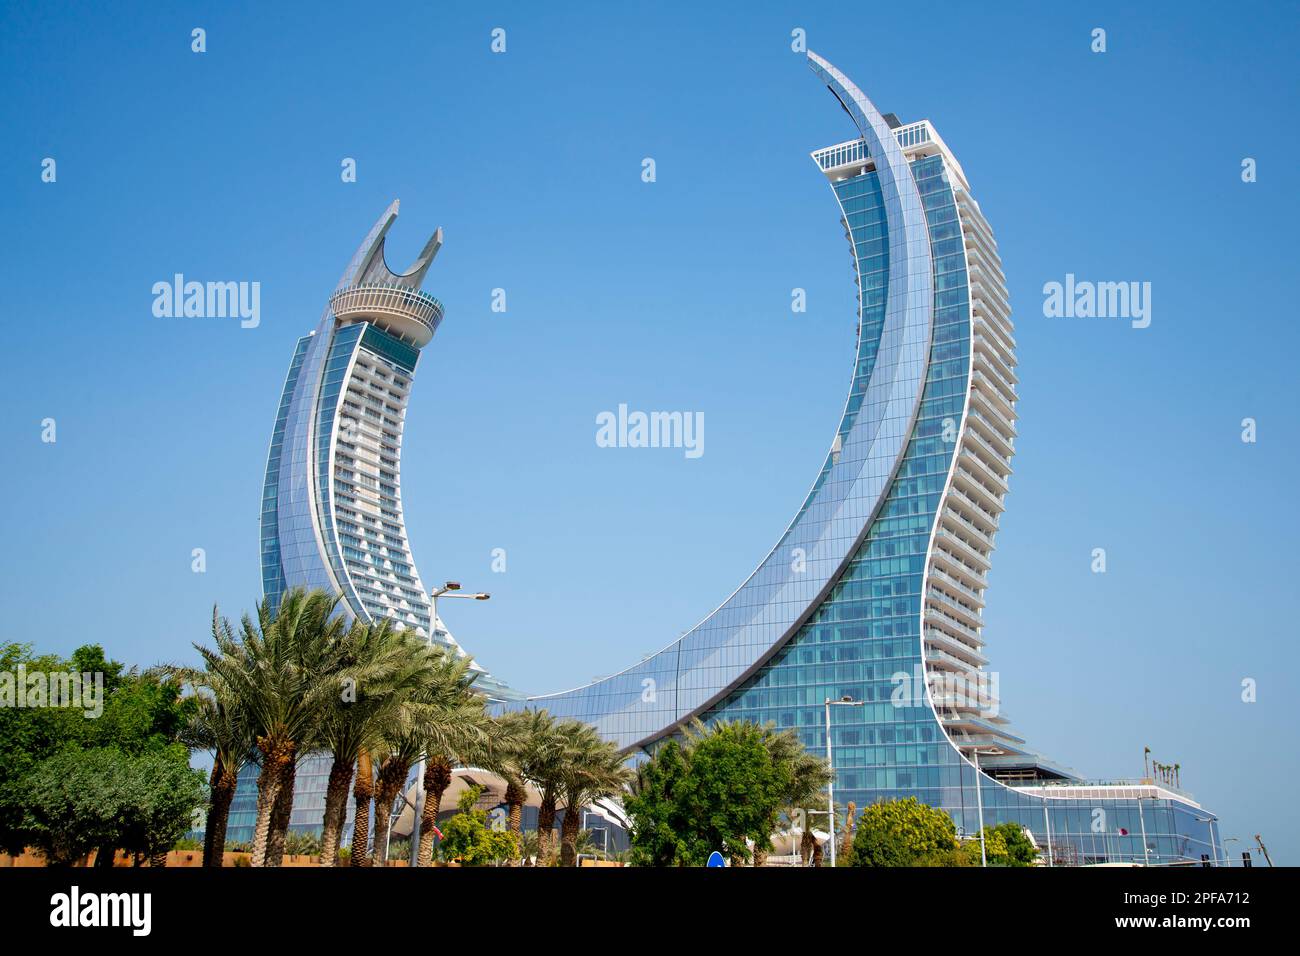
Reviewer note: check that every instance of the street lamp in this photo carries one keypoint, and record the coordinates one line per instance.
(1227, 860)
(452, 589)
(1212, 820)
(448, 589)
(830, 765)
(979, 800)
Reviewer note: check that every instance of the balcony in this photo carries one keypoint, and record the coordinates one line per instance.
(954, 647)
(985, 472)
(941, 660)
(992, 432)
(933, 615)
(976, 442)
(953, 607)
(1005, 344)
(408, 313)
(990, 410)
(962, 525)
(959, 587)
(956, 568)
(989, 367)
(996, 396)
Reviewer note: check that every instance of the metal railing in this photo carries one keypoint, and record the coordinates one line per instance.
(383, 297)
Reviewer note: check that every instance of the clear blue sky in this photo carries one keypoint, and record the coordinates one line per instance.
(672, 295)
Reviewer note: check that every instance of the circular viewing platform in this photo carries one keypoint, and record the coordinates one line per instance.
(408, 313)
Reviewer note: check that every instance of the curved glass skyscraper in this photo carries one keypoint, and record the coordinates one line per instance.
(874, 594)
(332, 499)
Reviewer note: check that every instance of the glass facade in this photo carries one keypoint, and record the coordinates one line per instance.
(272, 571)
(331, 504)
(881, 574)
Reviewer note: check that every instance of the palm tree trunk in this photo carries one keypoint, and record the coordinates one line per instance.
(104, 857)
(362, 791)
(807, 845)
(158, 857)
(280, 815)
(392, 774)
(275, 758)
(850, 828)
(569, 827)
(214, 833)
(545, 829)
(437, 778)
(336, 810)
(515, 797)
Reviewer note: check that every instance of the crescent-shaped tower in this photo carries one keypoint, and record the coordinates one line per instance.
(332, 500)
(873, 597)
(332, 497)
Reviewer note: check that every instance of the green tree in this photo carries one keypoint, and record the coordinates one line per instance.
(966, 854)
(467, 838)
(28, 735)
(653, 808)
(902, 833)
(1007, 845)
(102, 798)
(717, 790)
(72, 803)
(140, 713)
(161, 794)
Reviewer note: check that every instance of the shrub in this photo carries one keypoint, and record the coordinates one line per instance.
(903, 833)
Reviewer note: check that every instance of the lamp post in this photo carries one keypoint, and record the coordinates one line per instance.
(1047, 825)
(1211, 820)
(830, 765)
(979, 801)
(1142, 820)
(1227, 860)
(449, 589)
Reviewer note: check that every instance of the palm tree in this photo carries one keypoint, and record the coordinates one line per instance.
(510, 765)
(540, 760)
(400, 747)
(462, 732)
(442, 717)
(809, 777)
(231, 744)
(362, 792)
(528, 846)
(281, 673)
(381, 668)
(218, 726)
(591, 768)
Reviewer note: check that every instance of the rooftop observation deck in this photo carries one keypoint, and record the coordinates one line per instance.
(1145, 789)
(851, 157)
(408, 313)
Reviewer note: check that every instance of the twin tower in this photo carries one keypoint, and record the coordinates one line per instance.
(874, 594)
